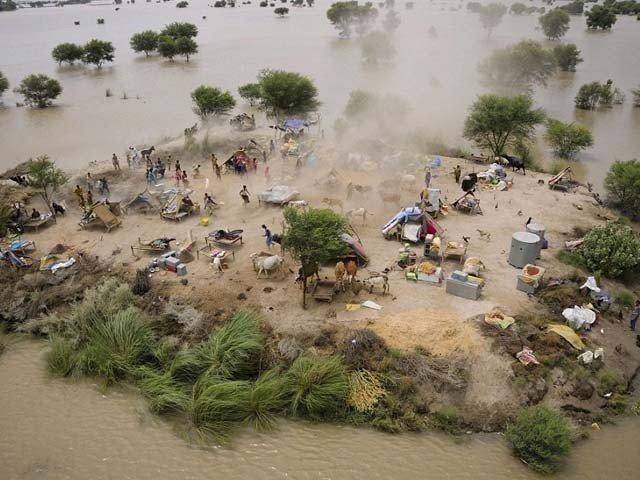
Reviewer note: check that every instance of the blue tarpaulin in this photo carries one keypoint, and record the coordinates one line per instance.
(294, 123)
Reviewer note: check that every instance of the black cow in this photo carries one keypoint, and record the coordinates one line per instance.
(515, 163)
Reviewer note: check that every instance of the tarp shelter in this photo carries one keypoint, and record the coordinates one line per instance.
(356, 247)
(142, 202)
(415, 215)
(278, 194)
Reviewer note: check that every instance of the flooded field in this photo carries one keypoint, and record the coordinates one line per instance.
(436, 73)
(53, 429)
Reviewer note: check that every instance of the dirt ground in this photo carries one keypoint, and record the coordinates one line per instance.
(412, 313)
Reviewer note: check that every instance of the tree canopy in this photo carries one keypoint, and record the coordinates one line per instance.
(518, 67)
(211, 101)
(251, 92)
(601, 17)
(287, 92)
(167, 47)
(555, 23)
(567, 56)
(46, 178)
(376, 47)
(491, 15)
(97, 52)
(186, 46)
(623, 185)
(146, 41)
(39, 90)
(573, 8)
(67, 52)
(345, 15)
(595, 94)
(7, 5)
(495, 122)
(180, 29)
(567, 139)
(4, 83)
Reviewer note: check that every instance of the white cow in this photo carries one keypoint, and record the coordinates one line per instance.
(266, 265)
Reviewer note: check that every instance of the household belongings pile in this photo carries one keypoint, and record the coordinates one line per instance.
(420, 224)
(53, 263)
(530, 278)
(156, 245)
(225, 237)
(101, 214)
(425, 271)
(278, 194)
(168, 261)
(178, 206)
(494, 177)
(356, 247)
(462, 285)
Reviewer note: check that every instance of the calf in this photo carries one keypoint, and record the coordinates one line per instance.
(146, 153)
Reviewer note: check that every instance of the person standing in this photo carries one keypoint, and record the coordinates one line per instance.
(115, 161)
(129, 160)
(89, 181)
(89, 201)
(272, 147)
(244, 194)
(457, 173)
(105, 187)
(635, 314)
(185, 180)
(178, 177)
(79, 193)
(427, 177)
(267, 236)
(178, 167)
(169, 160)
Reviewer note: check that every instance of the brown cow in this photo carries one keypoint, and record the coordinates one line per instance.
(352, 271)
(340, 271)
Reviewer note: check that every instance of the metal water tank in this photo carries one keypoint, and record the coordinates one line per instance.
(538, 229)
(524, 248)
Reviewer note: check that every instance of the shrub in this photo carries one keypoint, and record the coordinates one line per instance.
(623, 185)
(611, 250)
(567, 139)
(39, 90)
(211, 101)
(596, 94)
(541, 437)
(624, 298)
(318, 386)
(61, 357)
(281, 11)
(610, 382)
(182, 4)
(567, 57)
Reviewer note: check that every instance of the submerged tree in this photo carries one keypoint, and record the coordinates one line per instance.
(313, 237)
(211, 102)
(567, 139)
(281, 11)
(46, 178)
(287, 92)
(496, 122)
(555, 23)
(39, 90)
(518, 67)
(186, 46)
(376, 47)
(518, 8)
(146, 42)
(67, 52)
(635, 92)
(595, 94)
(251, 92)
(491, 16)
(623, 185)
(167, 47)
(4, 84)
(567, 56)
(180, 29)
(600, 17)
(97, 52)
(573, 8)
(346, 15)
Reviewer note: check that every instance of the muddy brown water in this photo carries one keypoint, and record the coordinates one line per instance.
(437, 74)
(56, 429)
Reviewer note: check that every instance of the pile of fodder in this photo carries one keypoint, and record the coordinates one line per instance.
(27, 294)
(558, 297)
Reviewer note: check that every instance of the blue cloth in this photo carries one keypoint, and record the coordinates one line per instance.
(294, 123)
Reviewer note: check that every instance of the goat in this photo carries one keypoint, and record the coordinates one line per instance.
(377, 281)
(191, 131)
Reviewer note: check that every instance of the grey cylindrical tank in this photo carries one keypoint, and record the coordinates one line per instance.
(538, 229)
(524, 248)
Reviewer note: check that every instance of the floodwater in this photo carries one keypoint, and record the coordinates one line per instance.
(437, 74)
(56, 429)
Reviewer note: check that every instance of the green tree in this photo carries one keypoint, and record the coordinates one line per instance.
(491, 16)
(623, 185)
(612, 250)
(281, 11)
(360, 103)
(635, 92)
(313, 237)
(600, 17)
(8, 6)
(180, 29)
(345, 15)
(287, 92)
(541, 437)
(518, 8)
(146, 41)
(595, 94)
(377, 47)
(186, 46)
(46, 178)
(567, 139)
(39, 90)
(555, 23)
(211, 102)
(574, 8)
(4, 83)
(97, 52)
(567, 56)
(167, 47)
(67, 52)
(496, 122)
(250, 92)
(518, 67)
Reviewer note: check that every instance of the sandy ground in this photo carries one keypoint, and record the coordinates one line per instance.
(412, 314)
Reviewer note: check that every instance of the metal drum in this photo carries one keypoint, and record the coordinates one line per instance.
(525, 247)
(538, 229)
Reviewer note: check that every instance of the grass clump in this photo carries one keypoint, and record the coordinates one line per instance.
(61, 357)
(573, 259)
(610, 382)
(624, 298)
(318, 386)
(165, 396)
(447, 419)
(540, 437)
(267, 398)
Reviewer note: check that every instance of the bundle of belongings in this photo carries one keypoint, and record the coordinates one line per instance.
(426, 272)
(278, 194)
(530, 278)
(579, 317)
(53, 263)
(406, 256)
(494, 178)
(498, 319)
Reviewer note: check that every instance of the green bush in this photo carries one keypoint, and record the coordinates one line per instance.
(318, 386)
(61, 357)
(567, 56)
(624, 298)
(567, 139)
(623, 185)
(541, 437)
(610, 381)
(612, 250)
